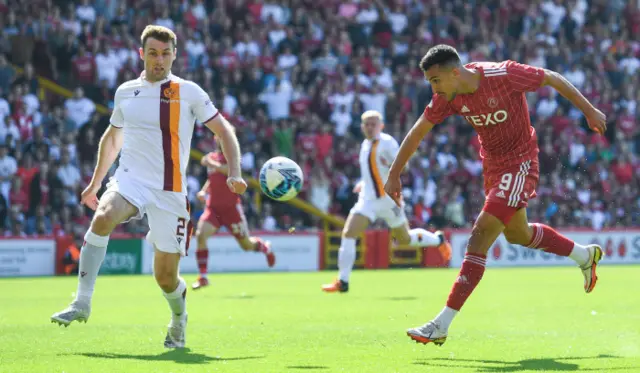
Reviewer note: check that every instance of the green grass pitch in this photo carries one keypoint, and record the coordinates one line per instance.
(518, 320)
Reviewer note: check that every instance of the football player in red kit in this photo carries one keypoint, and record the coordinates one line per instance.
(223, 209)
(491, 97)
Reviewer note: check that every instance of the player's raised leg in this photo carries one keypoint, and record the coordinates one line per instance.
(258, 245)
(204, 230)
(419, 237)
(111, 211)
(540, 236)
(354, 226)
(397, 220)
(484, 233)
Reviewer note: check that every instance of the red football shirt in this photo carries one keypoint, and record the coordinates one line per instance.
(498, 111)
(219, 192)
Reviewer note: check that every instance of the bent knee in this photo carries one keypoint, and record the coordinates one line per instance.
(520, 237)
(246, 244)
(167, 281)
(402, 238)
(350, 233)
(104, 221)
(201, 236)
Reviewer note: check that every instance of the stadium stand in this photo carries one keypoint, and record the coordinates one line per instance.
(294, 75)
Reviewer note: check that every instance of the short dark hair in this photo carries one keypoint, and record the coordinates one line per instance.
(160, 33)
(441, 55)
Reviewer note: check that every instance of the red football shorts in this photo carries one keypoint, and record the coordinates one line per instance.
(231, 217)
(510, 189)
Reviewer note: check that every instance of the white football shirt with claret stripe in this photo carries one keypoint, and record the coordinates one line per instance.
(376, 156)
(158, 120)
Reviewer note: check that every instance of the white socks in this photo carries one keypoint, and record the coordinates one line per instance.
(445, 317)
(91, 257)
(421, 237)
(177, 300)
(346, 257)
(579, 254)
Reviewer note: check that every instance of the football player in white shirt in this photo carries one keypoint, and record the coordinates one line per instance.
(377, 152)
(151, 127)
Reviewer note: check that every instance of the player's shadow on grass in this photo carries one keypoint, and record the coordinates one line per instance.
(399, 298)
(498, 366)
(180, 355)
(307, 367)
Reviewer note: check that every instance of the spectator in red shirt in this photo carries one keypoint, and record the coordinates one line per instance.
(27, 170)
(307, 140)
(626, 124)
(18, 197)
(324, 143)
(23, 121)
(623, 169)
(84, 67)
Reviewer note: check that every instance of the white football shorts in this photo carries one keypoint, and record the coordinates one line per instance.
(381, 208)
(167, 213)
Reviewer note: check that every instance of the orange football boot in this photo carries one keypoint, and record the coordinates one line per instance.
(336, 286)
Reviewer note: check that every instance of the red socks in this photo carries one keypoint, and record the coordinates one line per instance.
(544, 237)
(202, 256)
(470, 275)
(547, 239)
(260, 247)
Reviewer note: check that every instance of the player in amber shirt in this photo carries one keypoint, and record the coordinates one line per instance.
(491, 97)
(223, 209)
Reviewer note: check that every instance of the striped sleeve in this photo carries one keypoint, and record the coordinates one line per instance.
(524, 78)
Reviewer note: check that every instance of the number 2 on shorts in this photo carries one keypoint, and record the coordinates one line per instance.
(182, 224)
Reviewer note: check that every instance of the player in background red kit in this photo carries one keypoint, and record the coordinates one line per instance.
(491, 97)
(223, 209)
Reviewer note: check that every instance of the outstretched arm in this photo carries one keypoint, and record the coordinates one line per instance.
(202, 193)
(231, 149)
(208, 114)
(215, 165)
(409, 145)
(205, 187)
(595, 118)
(108, 150)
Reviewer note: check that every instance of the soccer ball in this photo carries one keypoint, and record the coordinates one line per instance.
(281, 178)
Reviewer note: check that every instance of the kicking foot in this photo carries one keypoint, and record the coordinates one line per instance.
(589, 269)
(176, 333)
(270, 255)
(336, 286)
(201, 282)
(429, 332)
(75, 312)
(444, 247)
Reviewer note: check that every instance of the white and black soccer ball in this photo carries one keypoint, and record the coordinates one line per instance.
(281, 179)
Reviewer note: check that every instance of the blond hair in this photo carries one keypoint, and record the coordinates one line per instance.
(160, 33)
(371, 114)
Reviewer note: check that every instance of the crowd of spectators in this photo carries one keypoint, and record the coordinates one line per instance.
(294, 75)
